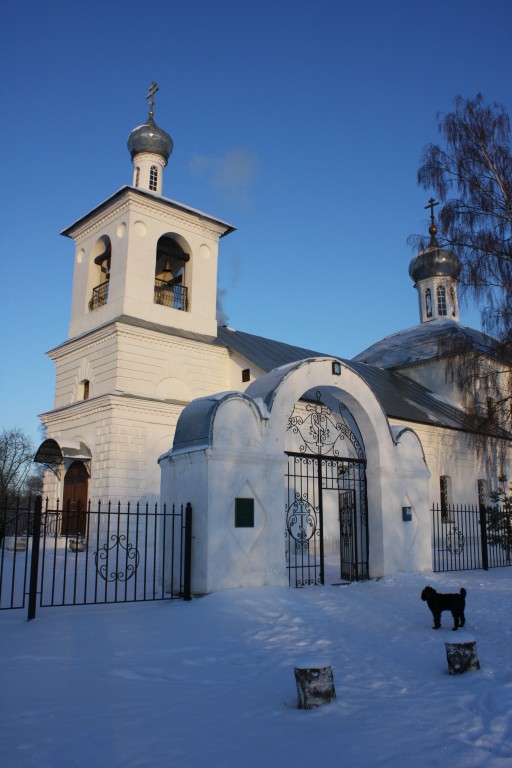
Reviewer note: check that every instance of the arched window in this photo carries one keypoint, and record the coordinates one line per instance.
(428, 302)
(137, 176)
(85, 389)
(441, 300)
(153, 178)
(452, 299)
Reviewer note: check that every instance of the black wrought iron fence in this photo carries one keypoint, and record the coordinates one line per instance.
(106, 554)
(469, 538)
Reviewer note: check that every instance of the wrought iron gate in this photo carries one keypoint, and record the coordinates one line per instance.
(326, 505)
(320, 488)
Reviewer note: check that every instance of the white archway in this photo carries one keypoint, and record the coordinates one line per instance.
(228, 443)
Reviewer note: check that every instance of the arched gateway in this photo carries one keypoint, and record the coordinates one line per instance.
(308, 449)
(326, 496)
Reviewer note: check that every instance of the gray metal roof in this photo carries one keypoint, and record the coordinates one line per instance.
(400, 397)
(264, 353)
(403, 398)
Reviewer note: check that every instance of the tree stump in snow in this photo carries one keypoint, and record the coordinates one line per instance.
(461, 657)
(315, 686)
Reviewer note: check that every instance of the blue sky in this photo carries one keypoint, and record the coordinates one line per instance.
(300, 123)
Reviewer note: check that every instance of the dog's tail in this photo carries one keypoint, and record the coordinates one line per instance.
(463, 592)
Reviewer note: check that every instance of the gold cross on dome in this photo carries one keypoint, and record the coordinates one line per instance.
(150, 97)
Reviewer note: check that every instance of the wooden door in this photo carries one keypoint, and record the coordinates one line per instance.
(74, 508)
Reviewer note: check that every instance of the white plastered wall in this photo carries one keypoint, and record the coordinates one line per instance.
(140, 381)
(243, 453)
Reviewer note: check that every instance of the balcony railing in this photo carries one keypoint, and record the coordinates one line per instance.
(99, 296)
(171, 294)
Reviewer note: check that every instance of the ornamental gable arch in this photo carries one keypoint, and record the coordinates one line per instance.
(282, 388)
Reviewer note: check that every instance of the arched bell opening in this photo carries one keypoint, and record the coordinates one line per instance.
(171, 288)
(100, 272)
(326, 531)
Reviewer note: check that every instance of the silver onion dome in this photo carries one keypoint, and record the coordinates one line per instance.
(434, 261)
(150, 138)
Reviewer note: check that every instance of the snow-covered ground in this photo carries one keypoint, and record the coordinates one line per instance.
(210, 683)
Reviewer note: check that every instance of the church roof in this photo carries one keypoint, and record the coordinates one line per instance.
(400, 397)
(437, 338)
(264, 353)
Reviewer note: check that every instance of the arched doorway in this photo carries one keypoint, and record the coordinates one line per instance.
(326, 502)
(74, 507)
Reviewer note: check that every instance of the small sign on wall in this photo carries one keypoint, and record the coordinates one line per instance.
(244, 513)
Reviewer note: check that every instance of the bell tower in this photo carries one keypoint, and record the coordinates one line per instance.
(142, 255)
(435, 272)
(141, 341)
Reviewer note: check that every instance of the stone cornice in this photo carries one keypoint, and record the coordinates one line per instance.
(139, 200)
(120, 329)
(82, 343)
(100, 221)
(112, 402)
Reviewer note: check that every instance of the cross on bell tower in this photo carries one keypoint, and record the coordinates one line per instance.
(153, 88)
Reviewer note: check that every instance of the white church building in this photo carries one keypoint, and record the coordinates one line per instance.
(279, 449)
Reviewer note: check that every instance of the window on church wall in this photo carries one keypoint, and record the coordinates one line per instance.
(101, 255)
(137, 176)
(170, 274)
(441, 300)
(483, 493)
(428, 303)
(445, 487)
(153, 178)
(84, 389)
(452, 299)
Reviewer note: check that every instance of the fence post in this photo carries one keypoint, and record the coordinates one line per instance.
(187, 565)
(34, 560)
(483, 537)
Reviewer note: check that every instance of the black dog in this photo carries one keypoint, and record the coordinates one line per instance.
(437, 602)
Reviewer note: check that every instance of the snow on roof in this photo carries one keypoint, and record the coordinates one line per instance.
(428, 341)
